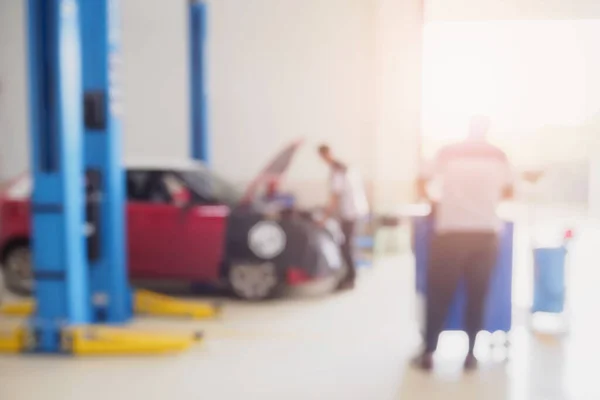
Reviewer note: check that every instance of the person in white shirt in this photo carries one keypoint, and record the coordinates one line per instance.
(473, 176)
(347, 203)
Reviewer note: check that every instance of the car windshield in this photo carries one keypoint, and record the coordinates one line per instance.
(204, 182)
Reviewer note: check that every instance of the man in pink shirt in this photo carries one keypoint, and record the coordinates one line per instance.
(473, 176)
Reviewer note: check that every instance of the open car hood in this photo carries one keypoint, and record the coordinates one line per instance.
(273, 171)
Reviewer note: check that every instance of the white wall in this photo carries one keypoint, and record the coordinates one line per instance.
(346, 72)
(399, 54)
(13, 90)
(286, 69)
(155, 72)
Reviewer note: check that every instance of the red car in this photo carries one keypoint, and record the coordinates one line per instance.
(186, 224)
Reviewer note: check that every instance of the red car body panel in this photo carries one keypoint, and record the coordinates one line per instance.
(163, 241)
(166, 243)
(15, 220)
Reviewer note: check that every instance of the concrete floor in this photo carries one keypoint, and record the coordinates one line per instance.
(348, 346)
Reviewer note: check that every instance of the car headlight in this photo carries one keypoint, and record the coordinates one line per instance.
(267, 240)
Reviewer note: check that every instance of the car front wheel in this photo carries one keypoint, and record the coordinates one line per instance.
(18, 271)
(254, 281)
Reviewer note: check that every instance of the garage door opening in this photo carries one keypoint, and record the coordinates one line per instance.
(537, 80)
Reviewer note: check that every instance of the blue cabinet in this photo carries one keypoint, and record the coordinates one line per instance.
(499, 305)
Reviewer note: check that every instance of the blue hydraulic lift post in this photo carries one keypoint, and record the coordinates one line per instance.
(111, 294)
(198, 103)
(55, 125)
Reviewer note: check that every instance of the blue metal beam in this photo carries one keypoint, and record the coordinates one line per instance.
(103, 161)
(55, 124)
(198, 104)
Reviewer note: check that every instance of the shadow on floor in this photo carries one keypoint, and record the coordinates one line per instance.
(179, 289)
(449, 382)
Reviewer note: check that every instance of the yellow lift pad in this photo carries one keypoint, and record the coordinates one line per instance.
(103, 341)
(145, 302)
(13, 340)
(151, 303)
(99, 341)
(19, 309)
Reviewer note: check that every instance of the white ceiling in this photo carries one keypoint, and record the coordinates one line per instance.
(473, 10)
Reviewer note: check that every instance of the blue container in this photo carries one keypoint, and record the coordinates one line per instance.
(498, 315)
(549, 282)
(284, 200)
(364, 242)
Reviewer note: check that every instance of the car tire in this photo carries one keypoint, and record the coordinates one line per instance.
(18, 271)
(254, 281)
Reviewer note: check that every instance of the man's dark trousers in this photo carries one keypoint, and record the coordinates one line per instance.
(348, 229)
(455, 256)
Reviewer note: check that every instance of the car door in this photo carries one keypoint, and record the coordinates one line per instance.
(155, 228)
(204, 223)
(205, 227)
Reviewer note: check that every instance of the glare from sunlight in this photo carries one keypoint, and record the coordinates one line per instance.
(537, 80)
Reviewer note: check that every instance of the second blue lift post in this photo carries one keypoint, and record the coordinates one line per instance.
(111, 294)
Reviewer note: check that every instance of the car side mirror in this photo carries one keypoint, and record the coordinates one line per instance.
(185, 206)
(183, 200)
